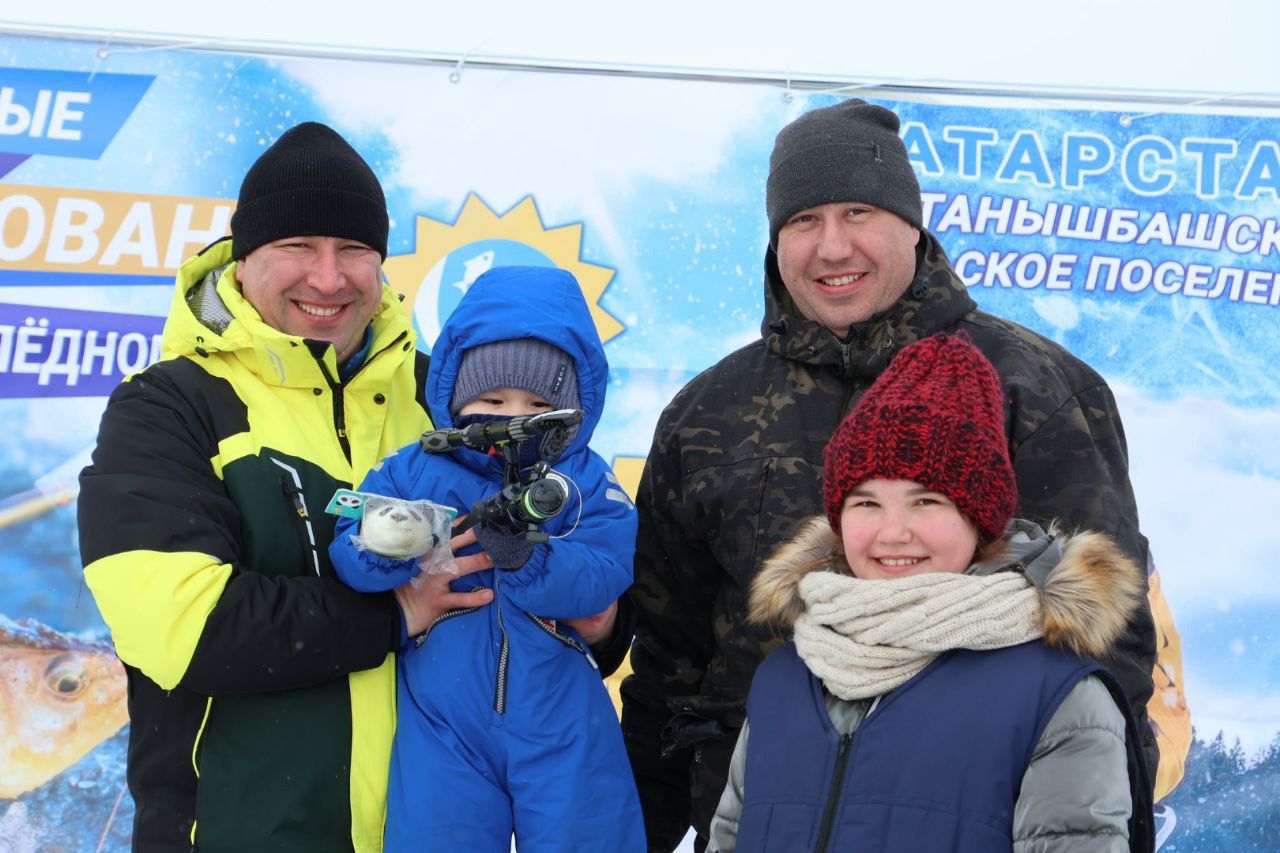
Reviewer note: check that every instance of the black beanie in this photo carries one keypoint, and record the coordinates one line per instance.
(849, 151)
(309, 183)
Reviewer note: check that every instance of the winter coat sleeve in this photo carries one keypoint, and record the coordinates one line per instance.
(360, 568)
(724, 826)
(588, 563)
(676, 581)
(160, 542)
(1075, 792)
(611, 652)
(1074, 469)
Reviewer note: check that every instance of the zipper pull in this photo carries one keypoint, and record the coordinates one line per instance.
(294, 495)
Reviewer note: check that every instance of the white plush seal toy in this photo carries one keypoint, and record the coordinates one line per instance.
(396, 528)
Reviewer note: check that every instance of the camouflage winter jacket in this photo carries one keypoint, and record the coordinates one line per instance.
(736, 465)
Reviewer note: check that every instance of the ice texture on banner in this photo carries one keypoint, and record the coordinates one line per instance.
(1203, 470)
(636, 397)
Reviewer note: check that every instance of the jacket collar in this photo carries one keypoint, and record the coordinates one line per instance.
(208, 314)
(1087, 586)
(935, 299)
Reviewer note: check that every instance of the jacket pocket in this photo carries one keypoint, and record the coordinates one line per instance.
(300, 520)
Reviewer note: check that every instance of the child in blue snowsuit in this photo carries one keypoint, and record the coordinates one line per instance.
(504, 724)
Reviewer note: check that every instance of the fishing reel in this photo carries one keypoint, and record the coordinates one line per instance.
(530, 497)
(537, 495)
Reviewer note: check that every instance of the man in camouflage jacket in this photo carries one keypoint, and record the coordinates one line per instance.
(736, 462)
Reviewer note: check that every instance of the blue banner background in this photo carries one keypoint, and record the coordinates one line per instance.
(664, 181)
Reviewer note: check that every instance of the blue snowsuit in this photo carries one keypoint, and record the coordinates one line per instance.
(504, 724)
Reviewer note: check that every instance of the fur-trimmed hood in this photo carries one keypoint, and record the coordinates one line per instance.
(1088, 587)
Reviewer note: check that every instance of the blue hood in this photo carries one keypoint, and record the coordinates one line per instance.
(508, 303)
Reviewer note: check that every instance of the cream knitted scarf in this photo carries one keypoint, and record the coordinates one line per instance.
(863, 638)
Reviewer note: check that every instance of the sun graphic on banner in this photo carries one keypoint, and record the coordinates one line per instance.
(447, 258)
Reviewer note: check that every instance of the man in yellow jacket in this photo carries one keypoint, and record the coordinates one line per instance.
(261, 689)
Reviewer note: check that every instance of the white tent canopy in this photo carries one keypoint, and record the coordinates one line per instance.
(1176, 51)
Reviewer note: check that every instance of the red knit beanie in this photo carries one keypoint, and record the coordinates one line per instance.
(935, 417)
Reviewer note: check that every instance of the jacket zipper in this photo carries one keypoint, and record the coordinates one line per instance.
(504, 659)
(335, 388)
(833, 797)
(504, 652)
(449, 614)
(568, 641)
(851, 386)
(369, 359)
(339, 414)
(306, 536)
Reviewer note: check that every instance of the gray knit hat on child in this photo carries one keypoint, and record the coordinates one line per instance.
(526, 363)
(850, 151)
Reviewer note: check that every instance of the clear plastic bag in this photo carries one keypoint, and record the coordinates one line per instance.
(404, 530)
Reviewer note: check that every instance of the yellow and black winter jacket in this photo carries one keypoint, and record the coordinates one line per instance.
(261, 689)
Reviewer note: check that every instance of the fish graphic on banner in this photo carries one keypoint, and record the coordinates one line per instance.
(59, 698)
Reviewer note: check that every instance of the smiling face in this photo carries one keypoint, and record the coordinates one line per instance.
(843, 263)
(322, 288)
(897, 528)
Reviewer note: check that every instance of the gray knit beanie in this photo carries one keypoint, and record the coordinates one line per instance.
(526, 363)
(849, 151)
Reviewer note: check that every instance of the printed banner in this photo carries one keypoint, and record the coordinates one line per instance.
(46, 352)
(62, 113)
(1147, 242)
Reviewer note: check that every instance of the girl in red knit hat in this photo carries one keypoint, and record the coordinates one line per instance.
(939, 690)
